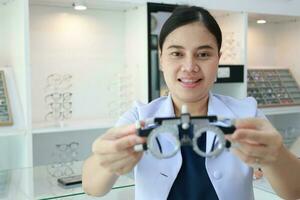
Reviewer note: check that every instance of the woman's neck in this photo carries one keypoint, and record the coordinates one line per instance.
(197, 108)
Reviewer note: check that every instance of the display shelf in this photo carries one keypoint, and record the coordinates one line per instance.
(281, 110)
(273, 87)
(17, 184)
(72, 125)
(38, 183)
(11, 132)
(18, 123)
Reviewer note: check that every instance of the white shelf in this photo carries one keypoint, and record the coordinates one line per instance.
(72, 125)
(281, 110)
(4, 131)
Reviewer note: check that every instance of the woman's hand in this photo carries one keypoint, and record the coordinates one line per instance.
(259, 143)
(114, 149)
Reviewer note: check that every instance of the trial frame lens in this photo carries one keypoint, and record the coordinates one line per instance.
(199, 131)
(153, 140)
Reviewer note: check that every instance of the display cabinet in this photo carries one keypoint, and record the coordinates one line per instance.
(273, 87)
(273, 72)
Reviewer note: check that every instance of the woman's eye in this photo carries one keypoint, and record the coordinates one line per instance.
(203, 55)
(176, 54)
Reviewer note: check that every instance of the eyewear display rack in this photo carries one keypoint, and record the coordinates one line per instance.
(273, 87)
(5, 111)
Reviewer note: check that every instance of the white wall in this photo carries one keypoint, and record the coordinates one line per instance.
(275, 45)
(89, 45)
(284, 7)
(14, 59)
(136, 51)
(234, 32)
(262, 44)
(289, 47)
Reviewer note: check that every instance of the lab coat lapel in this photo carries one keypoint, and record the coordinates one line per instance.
(165, 170)
(218, 108)
(168, 168)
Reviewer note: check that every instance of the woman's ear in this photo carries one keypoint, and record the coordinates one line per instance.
(220, 54)
(160, 60)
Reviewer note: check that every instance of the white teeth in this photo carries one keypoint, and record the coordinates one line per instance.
(188, 81)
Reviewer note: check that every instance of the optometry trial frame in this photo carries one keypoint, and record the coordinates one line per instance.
(168, 129)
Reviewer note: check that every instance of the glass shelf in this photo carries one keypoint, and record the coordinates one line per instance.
(39, 183)
(72, 125)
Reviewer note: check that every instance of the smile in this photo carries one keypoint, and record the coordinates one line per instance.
(189, 83)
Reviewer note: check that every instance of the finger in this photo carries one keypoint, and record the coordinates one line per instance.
(129, 167)
(121, 164)
(121, 131)
(103, 146)
(253, 123)
(106, 159)
(128, 142)
(250, 160)
(253, 150)
(232, 140)
(252, 135)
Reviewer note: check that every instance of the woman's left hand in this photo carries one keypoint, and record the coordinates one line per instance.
(259, 143)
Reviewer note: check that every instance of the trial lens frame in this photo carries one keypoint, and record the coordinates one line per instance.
(200, 125)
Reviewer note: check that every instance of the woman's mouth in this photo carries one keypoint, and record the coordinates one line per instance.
(189, 83)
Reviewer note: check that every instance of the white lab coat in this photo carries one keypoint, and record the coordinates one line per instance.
(231, 178)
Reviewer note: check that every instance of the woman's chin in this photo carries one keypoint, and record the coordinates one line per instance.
(185, 97)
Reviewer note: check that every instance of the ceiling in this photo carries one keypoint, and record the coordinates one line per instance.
(97, 4)
(127, 4)
(272, 18)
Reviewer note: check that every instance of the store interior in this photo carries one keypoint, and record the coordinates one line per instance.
(95, 63)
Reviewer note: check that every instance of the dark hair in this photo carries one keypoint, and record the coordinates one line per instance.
(183, 15)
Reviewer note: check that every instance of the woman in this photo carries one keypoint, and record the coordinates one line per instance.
(189, 51)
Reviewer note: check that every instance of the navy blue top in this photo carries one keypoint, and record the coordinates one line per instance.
(192, 181)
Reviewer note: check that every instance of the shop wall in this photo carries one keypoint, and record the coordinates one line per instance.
(275, 45)
(262, 45)
(88, 45)
(289, 47)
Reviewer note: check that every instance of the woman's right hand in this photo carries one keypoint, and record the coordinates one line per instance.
(114, 149)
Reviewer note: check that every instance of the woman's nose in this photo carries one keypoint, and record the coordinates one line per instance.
(190, 65)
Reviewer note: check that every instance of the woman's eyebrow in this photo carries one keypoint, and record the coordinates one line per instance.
(175, 46)
(205, 47)
(198, 48)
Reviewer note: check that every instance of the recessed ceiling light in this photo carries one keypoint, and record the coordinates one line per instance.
(261, 21)
(79, 6)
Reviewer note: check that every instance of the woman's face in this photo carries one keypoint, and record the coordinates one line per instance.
(189, 60)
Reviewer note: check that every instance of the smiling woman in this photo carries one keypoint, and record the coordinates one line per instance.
(189, 53)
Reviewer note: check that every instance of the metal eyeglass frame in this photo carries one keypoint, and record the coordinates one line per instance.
(200, 124)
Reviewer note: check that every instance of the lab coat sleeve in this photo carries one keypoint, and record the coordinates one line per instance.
(260, 114)
(130, 116)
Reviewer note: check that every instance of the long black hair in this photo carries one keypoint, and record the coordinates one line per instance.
(183, 15)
